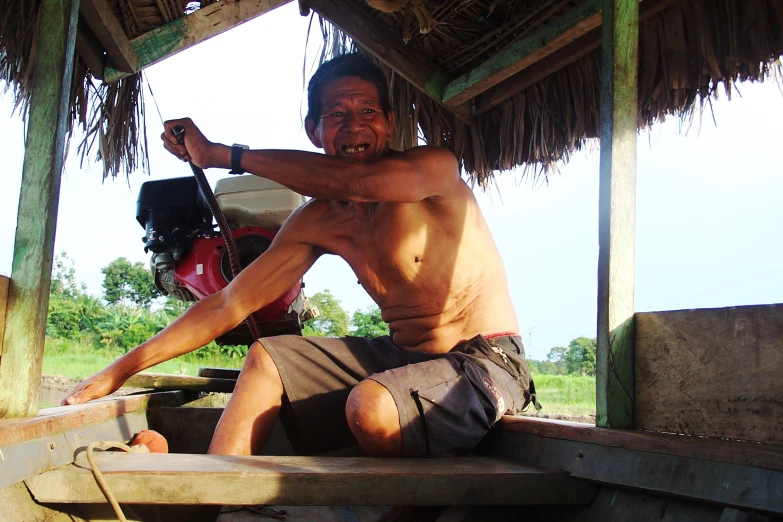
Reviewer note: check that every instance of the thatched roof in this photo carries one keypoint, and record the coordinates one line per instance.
(535, 117)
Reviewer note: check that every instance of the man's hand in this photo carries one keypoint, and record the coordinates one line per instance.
(197, 148)
(101, 384)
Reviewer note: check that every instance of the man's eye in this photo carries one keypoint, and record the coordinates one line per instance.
(335, 114)
(369, 111)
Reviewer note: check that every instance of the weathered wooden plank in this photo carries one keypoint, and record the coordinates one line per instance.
(219, 373)
(699, 480)
(557, 60)
(50, 421)
(617, 213)
(90, 50)
(106, 27)
(211, 479)
(715, 450)
(531, 49)
(21, 354)
(5, 282)
(18, 505)
(420, 71)
(29, 458)
(162, 381)
(715, 372)
(187, 31)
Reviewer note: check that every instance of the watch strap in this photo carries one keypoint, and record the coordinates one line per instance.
(236, 158)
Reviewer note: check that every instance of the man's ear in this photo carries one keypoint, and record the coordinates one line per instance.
(310, 128)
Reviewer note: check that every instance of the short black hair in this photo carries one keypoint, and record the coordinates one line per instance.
(347, 65)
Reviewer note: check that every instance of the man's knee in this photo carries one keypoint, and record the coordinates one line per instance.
(373, 418)
(261, 365)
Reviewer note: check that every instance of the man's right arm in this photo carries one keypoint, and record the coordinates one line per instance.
(267, 278)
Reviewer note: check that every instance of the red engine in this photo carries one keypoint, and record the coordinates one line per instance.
(190, 259)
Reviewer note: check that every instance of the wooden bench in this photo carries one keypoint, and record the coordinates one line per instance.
(209, 479)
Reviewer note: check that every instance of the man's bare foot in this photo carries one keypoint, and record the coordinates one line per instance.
(411, 514)
(154, 441)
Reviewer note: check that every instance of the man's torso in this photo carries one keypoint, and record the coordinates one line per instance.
(431, 266)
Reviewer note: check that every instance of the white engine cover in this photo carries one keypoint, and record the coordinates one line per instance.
(252, 201)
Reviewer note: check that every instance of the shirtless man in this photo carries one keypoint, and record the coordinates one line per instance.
(413, 233)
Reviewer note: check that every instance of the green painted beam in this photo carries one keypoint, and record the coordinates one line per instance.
(28, 296)
(531, 49)
(617, 214)
(187, 31)
(421, 72)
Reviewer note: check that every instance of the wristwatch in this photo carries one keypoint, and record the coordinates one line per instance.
(236, 158)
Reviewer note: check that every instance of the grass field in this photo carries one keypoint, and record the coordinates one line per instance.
(77, 361)
(570, 395)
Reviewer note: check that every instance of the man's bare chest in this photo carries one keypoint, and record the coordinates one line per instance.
(384, 244)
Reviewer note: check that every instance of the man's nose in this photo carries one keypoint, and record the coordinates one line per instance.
(351, 120)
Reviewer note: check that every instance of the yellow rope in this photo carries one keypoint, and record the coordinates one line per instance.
(99, 478)
(426, 22)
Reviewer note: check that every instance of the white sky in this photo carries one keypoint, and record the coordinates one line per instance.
(709, 209)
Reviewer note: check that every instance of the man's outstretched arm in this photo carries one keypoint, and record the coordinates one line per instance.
(409, 176)
(267, 278)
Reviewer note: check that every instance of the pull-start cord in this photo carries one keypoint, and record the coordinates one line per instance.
(225, 231)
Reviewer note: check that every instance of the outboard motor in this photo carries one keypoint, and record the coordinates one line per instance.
(189, 256)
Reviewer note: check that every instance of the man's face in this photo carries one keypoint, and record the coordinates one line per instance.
(352, 123)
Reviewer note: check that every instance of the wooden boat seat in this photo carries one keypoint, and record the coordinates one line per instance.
(209, 479)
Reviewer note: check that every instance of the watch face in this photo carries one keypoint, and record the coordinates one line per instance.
(245, 147)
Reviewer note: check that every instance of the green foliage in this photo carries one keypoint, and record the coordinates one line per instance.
(128, 283)
(333, 321)
(369, 323)
(578, 358)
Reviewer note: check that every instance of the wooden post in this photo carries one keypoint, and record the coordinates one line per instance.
(617, 213)
(28, 297)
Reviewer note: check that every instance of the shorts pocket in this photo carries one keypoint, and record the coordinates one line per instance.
(452, 416)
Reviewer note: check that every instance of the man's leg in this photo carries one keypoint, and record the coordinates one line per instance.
(252, 411)
(373, 419)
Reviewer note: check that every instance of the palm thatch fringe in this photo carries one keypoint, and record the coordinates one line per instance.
(686, 52)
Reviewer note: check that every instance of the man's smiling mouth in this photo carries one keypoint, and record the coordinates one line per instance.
(355, 149)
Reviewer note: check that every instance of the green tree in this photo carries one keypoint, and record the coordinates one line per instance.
(557, 356)
(128, 283)
(580, 358)
(333, 321)
(369, 323)
(64, 277)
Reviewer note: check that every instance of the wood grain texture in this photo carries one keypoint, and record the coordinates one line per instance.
(617, 214)
(704, 448)
(162, 381)
(106, 27)
(5, 282)
(670, 475)
(212, 479)
(21, 355)
(90, 50)
(29, 458)
(187, 31)
(714, 372)
(50, 421)
(531, 49)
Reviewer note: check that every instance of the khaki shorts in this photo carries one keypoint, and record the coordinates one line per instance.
(446, 402)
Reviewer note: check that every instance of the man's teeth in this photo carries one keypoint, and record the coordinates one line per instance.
(354, 150)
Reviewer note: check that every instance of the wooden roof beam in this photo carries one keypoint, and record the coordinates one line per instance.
(383, 43)
(90, 50)
(556, 61)
(187, 31)
(107, 28)
(531, 49)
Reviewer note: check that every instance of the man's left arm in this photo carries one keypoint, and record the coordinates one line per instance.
(409, 176)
